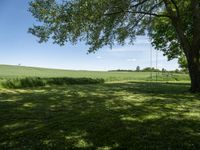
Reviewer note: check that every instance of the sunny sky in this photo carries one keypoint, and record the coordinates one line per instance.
(19, 47)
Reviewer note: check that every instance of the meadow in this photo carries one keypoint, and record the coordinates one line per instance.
(126, 111)
(13, 72)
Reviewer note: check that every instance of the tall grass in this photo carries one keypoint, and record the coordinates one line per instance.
(37, 81)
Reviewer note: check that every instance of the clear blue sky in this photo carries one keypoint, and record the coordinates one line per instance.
(19, 47)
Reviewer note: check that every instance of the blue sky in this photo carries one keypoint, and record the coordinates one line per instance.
(19, 47)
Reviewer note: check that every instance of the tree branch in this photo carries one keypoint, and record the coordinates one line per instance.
(137, 12)
(176, 22)
(138, 4)
(176, 7)
(149, 12)
(169, 9)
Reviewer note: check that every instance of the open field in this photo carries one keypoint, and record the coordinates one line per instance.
(125, 112)
(20, 72)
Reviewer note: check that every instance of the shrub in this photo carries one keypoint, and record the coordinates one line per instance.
(62, 81)
(36, 82)
(23, 82)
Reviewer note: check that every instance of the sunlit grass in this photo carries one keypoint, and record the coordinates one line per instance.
(156, 116)
(10, 72)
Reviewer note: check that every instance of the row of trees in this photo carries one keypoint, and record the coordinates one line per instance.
(149, 69)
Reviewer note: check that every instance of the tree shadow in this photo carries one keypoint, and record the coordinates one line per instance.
(105, 116)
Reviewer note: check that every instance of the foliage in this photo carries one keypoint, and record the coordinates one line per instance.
(183, 63)
(23, 82)
(164, 70)
(102, 22)
(164, 35)
(149, 69)
(99, 23)
(137, 68)
(36, 81)
(164, 38)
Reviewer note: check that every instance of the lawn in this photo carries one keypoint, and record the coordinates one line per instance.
(130, 115)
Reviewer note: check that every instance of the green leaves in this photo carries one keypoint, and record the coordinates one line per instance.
(106, 22)
(164, 37)
(98, 23)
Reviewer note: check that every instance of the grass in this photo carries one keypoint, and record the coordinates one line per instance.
(53, 109)
(10, 72)
(132, 115)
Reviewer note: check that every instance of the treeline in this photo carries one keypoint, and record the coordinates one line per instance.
(150, 69)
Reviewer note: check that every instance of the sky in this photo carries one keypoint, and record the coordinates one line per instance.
(17, 46)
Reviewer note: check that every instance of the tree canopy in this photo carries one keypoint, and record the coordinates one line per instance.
(99, 23)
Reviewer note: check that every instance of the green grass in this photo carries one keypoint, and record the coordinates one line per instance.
(70, 110)
(22, 72)
(22, 77)
(139, 116)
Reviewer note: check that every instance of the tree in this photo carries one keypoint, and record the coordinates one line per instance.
(164, 70)
(176, 71)
(138, 68)
(149, 69)
(173, 25)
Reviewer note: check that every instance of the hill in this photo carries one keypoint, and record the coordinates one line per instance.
(9, 71)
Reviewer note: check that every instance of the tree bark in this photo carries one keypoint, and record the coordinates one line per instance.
(194, 70)
(190, 48)
(194, 54)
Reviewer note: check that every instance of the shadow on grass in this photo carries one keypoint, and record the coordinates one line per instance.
(104, 116)
(159, 87)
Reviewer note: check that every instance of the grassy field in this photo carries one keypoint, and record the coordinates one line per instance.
(20, 72)
(122, 114)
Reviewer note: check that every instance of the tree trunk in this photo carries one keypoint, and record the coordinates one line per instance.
(190, 47)
(194, 71)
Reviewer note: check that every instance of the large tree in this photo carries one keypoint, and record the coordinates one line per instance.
(173, 25)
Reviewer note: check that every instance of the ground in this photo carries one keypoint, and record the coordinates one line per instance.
(130, 115)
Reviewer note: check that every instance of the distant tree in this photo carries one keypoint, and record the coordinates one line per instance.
(177, 71)
(163, 70)
(174, 25)
(138, 68)
(149, 69)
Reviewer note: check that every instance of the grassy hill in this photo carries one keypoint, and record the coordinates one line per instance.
(8, 71)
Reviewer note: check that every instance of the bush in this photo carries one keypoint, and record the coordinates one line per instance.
(36, 82)
(62, 81)
(24, 82)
